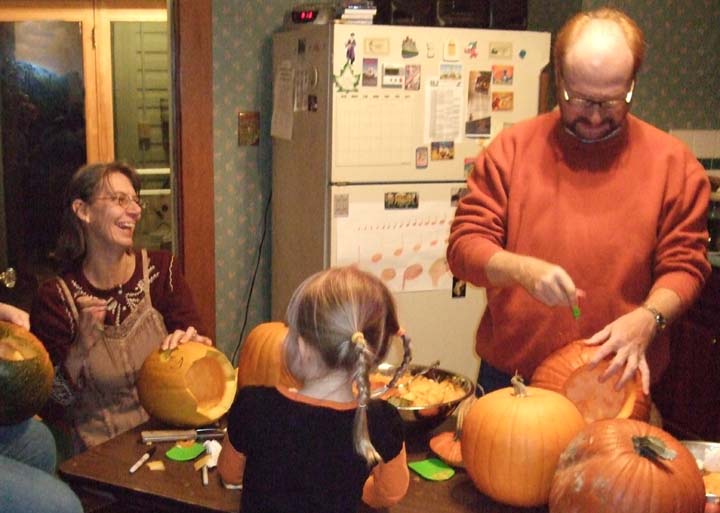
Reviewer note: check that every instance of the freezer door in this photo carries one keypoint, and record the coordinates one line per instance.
(399, 233)
(414, 103)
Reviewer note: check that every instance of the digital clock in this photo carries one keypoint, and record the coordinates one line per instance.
(304, 16)
(312, 13)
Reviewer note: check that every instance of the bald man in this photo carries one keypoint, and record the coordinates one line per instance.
(584, 210)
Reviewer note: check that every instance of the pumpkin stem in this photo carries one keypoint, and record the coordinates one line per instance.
(652, 447)
(518, 384)
(462, 410)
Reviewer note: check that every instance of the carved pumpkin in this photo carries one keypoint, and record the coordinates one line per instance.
(626, 466)
(191, 385)
(512, 439)
(26, 374)
(262, 360)
(567, 371)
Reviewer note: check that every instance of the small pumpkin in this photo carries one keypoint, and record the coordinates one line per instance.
(568, 371)
(626, 466)
(262, 360)
(26, 374)
(191, 385)
(512, 439)
(447, 444)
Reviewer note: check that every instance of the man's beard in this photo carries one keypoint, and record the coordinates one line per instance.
(587, 133)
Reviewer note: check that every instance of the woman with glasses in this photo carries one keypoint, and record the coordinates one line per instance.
(585, 222)
(110, 306)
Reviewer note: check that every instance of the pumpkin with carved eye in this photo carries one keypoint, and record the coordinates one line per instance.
(191, 385)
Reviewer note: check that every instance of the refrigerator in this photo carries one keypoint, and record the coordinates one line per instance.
(375, 129)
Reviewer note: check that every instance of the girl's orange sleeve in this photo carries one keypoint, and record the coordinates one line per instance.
(388, 482)
(231, 464)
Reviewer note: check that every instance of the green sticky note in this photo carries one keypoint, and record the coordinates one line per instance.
(432, 469)
(185, 453)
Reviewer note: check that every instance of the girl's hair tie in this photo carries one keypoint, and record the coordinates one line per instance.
(358, 338)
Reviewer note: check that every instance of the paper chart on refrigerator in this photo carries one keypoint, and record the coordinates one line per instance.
(404, 248)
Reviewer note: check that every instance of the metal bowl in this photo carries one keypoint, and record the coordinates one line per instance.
(421, 419)
(698, 451)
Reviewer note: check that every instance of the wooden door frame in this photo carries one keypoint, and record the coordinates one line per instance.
(191, 68)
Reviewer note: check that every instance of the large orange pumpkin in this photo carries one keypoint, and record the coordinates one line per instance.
(626, 466)
(191, 385)
(512, 439)
(261, 360)
(568, 372)
(26, 374)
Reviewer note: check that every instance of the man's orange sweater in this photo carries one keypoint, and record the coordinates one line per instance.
(622, 216)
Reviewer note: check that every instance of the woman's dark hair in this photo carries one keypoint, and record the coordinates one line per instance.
(83, 185)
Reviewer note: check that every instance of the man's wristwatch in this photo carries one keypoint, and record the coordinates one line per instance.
(660, 321)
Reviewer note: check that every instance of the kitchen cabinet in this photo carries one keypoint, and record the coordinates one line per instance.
(687, 394)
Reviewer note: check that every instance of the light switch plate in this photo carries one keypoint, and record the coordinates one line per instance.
(248, 128)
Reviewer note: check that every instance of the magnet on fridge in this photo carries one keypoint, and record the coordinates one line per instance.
(421, 157)
(450, 51)
(430, 50)
(459, 287)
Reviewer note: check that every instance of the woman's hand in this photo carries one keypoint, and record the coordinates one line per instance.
(178, 337)
(91, 313)
(14, 315)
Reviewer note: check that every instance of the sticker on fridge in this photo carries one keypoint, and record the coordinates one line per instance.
(501, 50)
(502, 75)
(409, 48)
(412, 77)
(471, 49)
(442, 150)
(479, 106)
(502, 100)
(370, 73)
(403, 247)
(421, 157)
(443, 108)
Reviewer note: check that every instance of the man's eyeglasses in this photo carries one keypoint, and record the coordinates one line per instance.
(124, 200)
(604, 105)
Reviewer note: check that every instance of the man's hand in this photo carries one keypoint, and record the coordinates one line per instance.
(548, 283)
(627, 337)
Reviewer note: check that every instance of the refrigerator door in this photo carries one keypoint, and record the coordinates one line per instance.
(402, 92)
(301, 163)
(399, 233)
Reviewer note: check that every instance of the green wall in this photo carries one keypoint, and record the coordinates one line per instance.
(678, 88)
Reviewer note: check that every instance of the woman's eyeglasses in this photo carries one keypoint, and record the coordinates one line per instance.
(124, 200)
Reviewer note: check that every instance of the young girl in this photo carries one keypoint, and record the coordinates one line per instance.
(323, 447)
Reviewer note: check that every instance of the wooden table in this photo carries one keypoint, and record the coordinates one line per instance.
(179, 489)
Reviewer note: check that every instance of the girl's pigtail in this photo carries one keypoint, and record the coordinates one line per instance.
(407, 356)
(361, 434)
